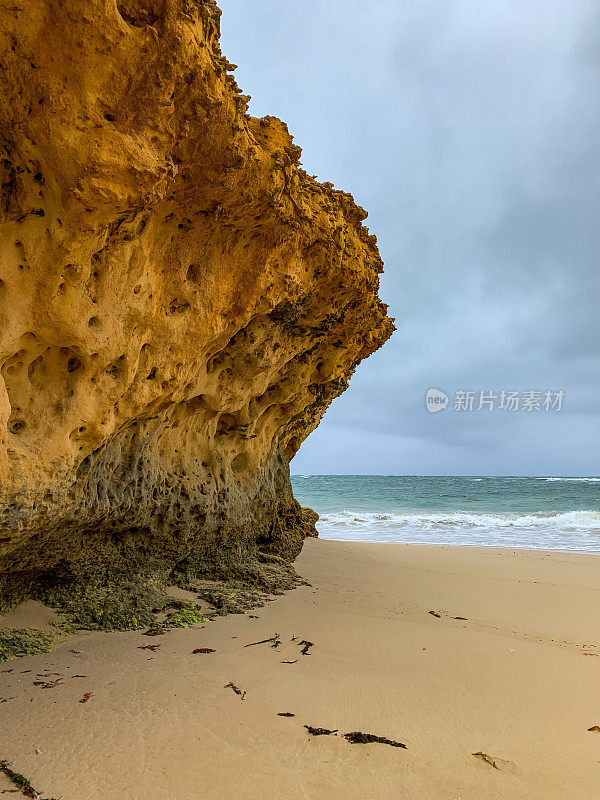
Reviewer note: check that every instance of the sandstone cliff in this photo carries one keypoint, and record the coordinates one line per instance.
(179, 300)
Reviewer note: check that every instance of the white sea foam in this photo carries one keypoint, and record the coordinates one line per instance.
(570, 520)
(571, 530)
(570, 480)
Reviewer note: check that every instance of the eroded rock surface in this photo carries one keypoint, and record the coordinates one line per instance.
(179, 300)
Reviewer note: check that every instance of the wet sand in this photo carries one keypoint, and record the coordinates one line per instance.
(517, 680)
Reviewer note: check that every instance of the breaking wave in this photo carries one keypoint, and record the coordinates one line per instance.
(571, 480)
(572, 530)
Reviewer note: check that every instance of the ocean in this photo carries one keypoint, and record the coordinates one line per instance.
(551, 513)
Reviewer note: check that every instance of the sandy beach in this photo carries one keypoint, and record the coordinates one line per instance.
(518, 679)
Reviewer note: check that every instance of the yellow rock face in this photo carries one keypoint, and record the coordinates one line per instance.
(179, 300)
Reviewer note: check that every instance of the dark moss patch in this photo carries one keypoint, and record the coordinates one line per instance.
(18, 642)
(155, 630)
(187, 614)
(121, 600)
(263, 573)
(64, 626)
(128, 604)
(236, 589)
(230, 597)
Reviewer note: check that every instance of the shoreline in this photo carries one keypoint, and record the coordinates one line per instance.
(450, 650)
(322, 538)
(521, 513)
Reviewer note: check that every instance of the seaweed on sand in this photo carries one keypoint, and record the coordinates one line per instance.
(20, 781)
(236, 689)
(272, 639)
(487, 758)
(320, 731)
(358, 737)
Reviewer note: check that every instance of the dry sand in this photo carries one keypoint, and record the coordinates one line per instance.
(519, 679)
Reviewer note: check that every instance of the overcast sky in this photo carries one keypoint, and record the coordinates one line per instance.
(470, 131)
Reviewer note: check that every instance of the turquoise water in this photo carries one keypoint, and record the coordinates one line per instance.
(551, 513)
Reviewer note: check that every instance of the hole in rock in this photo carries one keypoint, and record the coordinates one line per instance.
(178, 306)
(139, 13)
(226, 424)
(193, 273)
(16, 426)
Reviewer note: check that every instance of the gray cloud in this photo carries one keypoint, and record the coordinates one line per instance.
(471, 132)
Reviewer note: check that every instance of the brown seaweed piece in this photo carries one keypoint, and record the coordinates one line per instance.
(319, 731)
(595, 728)
(358, 737)
(274, 638)
(48, 684)
(488, 759)
(155, 631)
(305, 647)
(285, 714)
(236, 689)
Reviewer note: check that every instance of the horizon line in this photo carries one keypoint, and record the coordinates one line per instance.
(415, 475)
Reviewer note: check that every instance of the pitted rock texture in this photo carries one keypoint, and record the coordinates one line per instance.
(179, 300)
